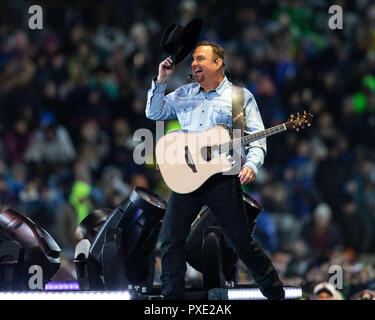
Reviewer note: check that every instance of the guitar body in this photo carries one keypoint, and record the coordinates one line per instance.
(184, 161)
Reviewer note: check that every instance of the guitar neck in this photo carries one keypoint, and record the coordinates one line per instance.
(262, 134)
(225, 147)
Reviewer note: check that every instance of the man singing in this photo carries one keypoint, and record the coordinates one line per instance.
(199, 106)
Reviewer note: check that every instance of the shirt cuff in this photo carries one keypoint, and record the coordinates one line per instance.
(158, 86)
(252, 166)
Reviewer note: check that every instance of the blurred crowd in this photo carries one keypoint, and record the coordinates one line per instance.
(73, 94)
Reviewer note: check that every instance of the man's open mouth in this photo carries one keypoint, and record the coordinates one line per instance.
(198, 72)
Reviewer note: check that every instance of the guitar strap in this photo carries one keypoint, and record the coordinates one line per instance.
(238, 123)
(237, 108)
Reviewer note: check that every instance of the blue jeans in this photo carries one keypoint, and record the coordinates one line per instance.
(223, 195)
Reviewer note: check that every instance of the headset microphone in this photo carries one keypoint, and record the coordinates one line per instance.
(190, 78)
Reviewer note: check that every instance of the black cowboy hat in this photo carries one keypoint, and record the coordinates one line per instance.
(178, 41)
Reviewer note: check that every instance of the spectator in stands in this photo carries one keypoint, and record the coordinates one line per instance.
(17, 141)
(51, 143)
(326, 291)
(321, 233)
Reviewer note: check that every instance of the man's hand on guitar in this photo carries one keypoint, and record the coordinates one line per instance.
(246, 175)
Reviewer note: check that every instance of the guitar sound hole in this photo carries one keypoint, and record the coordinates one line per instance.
(210, 152)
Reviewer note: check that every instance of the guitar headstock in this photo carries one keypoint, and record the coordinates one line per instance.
(299, 121)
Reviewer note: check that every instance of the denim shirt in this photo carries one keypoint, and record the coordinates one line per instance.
(197, 110)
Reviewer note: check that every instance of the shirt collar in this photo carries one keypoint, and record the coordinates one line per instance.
(220, 88)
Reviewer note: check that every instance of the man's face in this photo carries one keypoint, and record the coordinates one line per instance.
(204, 64)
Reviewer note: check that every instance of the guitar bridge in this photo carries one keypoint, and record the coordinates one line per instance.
(189, 160)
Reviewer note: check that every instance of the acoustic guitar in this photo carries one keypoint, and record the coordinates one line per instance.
(186, 159)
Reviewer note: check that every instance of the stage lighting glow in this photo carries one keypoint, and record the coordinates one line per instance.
(255, 294)
(55, 286)
(65, 295)
(293, 293)
(242, 294)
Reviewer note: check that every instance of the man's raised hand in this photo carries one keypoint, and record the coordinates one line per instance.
(166, 69)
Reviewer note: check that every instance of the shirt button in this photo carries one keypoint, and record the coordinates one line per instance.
(200, 124)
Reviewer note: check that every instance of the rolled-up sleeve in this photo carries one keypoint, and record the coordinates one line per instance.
(256, 150)
(159, 106)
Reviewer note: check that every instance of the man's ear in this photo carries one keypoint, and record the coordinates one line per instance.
(219, 63)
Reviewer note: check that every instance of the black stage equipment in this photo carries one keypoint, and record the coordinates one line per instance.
(88, 272)
(24, 244)
(90, 226)
(207, 250)
(122, 252)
